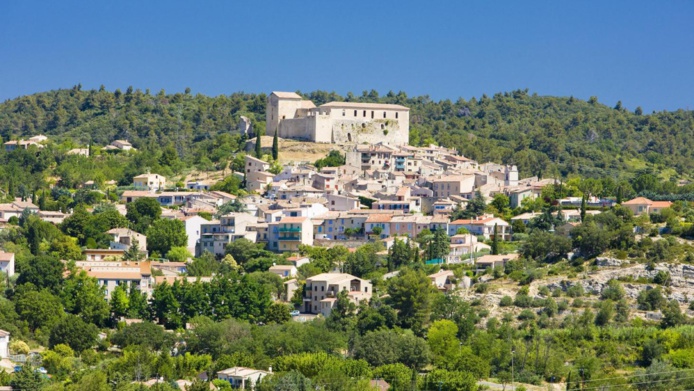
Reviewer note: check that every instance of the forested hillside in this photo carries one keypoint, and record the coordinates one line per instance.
(545, 136)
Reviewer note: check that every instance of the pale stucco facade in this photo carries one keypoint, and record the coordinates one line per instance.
(336, 122)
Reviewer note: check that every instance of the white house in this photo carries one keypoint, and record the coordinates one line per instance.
(123, 145)
(123, 238)
(482, 225)
(193, 229)
(4, 344)
(284, 271)
(7, 264)
(242, 378)
(150, 181)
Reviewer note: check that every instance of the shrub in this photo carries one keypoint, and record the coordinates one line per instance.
(19, 347)
(506, 301)
(523, 301)
(481, 288)
(575, 291)
(526, 315)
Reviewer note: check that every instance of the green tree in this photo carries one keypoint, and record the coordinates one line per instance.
(119, 303)
(258, 147)
(583, 208)
(277, 313)
(145, 334)
(440, 246)
(142, 213)
(399, 254)
(495, 241)
(672, 315)
(334, 159)
(178, 254)
(27, 379)
(133, 252)
(275, 147)
(410, 294)
(442, 340)
(164, 234)
(74, 332)
(43, 272)
(342, 317)
(83, 296)
(39, 309)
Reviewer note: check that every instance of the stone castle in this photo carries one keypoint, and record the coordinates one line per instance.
(336, 122)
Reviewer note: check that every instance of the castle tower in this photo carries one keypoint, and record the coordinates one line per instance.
(280, 105)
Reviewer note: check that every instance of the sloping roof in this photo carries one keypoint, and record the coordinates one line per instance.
(638, 201)
(333, 277)
(286, 95)
(6, 256)
(379, 218)
(358, 105)
(661, 204)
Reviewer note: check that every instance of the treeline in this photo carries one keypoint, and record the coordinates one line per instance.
(544, 136)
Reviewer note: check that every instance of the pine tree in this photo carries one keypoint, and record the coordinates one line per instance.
(495, 241)
(258, 147)
(275, 147)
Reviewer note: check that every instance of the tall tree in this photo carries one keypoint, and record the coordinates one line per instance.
(583, 208)
(275, 147)
(440, 245)
(410, 294)
(258, 147)
(165, 234)
(495, 241)
(133, 252)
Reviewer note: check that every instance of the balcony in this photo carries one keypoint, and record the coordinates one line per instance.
(290, 238)
(298, 229)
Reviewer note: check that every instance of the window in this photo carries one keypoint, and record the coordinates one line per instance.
(322, 289)
(372, 114)
(315, 288)
(343, 112)
(365, 113)
(384, 114)
(396, 115)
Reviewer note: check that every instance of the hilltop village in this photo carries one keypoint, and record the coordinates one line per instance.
(377, 240)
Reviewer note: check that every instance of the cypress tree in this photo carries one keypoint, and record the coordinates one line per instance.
(583, 208)
(619, 195)
(275, 147)
(258, 147)
(495, 241)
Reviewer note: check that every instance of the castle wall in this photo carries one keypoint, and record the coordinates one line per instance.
(297, 128)
(331, 123)
(364, 125)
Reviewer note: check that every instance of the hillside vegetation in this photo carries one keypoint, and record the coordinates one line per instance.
(544, 136)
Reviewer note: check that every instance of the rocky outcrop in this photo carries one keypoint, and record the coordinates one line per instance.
(608, 262)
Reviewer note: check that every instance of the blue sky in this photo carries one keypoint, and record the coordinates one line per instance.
(639, 52)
